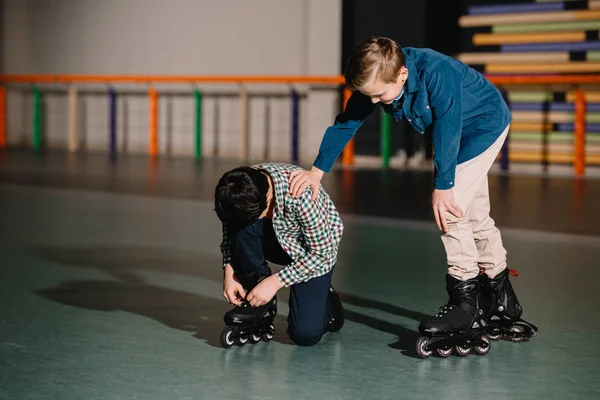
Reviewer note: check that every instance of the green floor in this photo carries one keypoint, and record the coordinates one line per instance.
(112, 296)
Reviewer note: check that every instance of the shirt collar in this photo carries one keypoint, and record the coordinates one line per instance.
(413, 83)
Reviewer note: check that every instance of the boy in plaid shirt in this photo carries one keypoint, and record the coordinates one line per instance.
(262, 222)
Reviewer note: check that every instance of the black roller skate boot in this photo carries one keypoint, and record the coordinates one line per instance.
(503, 310)
(459, 326)
(335, 311)
(249, 324)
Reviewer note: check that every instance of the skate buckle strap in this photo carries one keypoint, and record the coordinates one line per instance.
(467, 307)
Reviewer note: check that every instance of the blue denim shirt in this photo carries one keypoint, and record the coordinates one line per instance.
(466, 113)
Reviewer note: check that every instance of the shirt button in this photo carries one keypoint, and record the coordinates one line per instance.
(427, 108)
(409, 120)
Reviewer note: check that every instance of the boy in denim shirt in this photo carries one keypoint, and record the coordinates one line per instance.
(470, 122)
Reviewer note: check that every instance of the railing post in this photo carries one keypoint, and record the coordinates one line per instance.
(245, 104)
(348, 154)
(579, 133)
(198, 125)
(112, 119)
(37, 119)
(153, 116)
(386, 138)
(2, 116)
(295, 134)
(73, 119)
(504, 152)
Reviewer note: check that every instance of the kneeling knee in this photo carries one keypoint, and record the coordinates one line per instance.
(304, 337)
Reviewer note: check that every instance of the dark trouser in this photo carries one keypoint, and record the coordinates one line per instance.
(256, 244)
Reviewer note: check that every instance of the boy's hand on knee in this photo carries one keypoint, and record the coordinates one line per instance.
(264, 291)
(442, 201)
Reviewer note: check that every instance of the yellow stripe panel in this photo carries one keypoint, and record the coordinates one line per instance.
(467, 21)
(555, 117)
(590, 159)
(552, 147)
(530, 127)
(572, 67)
(483, 39)
(584, 15)
(590, 97)
(484, 58)
(539, 117)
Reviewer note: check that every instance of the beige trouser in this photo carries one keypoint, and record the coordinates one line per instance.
(474, 241)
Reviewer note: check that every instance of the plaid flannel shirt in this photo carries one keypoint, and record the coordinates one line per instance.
(309, 232)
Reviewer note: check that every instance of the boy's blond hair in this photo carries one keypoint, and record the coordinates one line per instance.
(377, 55)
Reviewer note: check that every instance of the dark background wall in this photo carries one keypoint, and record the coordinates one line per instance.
(412, 23)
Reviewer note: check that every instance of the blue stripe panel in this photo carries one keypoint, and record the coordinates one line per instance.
(573, 46)
(591, 107)
(515, 8)
(589, 128)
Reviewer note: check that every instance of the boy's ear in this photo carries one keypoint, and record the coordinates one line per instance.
(403, 74)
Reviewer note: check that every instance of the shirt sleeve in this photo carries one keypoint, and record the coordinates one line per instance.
(319, 245)
(226, 247)
(445, 98)
(337, 136)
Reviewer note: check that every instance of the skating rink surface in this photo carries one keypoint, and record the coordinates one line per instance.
(110, 288)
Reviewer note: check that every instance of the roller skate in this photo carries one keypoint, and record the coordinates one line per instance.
(459, 326)
(249, 324)
(335, 311)
(503, 310)
(246, 323)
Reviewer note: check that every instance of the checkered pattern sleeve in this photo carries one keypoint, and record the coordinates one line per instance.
(226, 247)
(319, 244)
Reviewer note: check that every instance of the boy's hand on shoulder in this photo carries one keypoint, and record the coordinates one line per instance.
(300, 180)
(264, 291)
(442, 201)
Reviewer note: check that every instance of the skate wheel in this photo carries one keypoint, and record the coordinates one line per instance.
(483, 350)
(495, 336)
(517, 333)
(462, 351)
(241, 340)
(444, 352)
(227, 337)
(270, 334)
(421, 351)
(254, 338)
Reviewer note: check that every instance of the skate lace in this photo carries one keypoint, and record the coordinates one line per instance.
(443, 311)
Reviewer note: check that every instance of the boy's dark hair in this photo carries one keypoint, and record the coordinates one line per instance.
(241, 196)
(378, 57)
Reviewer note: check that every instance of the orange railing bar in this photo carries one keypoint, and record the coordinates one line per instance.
(331, 80)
